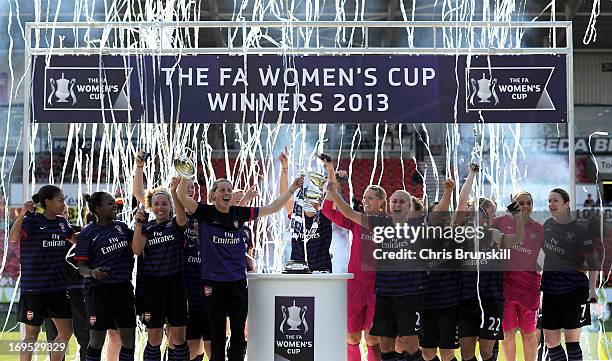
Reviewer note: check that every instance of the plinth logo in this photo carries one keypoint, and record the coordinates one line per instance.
(508, 88)
(294, 329)
(76, 88)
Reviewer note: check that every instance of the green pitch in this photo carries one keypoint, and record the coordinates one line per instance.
(589, 344)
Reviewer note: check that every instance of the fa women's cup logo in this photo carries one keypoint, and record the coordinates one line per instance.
(294, 317)
(484, 89)
(62, 89)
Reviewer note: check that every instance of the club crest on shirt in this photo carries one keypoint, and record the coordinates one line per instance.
(569, 236)
(207, 291)
(236, 224)
(147, 316)
(119, 229)
(30, 315)
(92, 320)
(61, 225)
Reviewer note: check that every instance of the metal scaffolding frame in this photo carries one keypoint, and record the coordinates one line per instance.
(35, 29)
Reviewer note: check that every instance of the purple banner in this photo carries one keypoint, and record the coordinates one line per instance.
(304, 89)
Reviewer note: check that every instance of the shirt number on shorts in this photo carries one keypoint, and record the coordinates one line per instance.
(583, 306)
(495, 323)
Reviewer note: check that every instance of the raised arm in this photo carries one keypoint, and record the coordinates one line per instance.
(140, 240)
(248, 196)
(440, 212)
(344, 208)
(188, 202)
(279, 202)
(284, 179)
(464, 194)
(332, 194)
(329, 210)
(181, 217)
(15, 233)
(138, 185)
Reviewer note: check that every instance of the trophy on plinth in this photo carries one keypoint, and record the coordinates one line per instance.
(308, 200)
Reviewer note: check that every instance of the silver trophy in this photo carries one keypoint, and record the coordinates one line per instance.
(314, 187)
(313, 193)
(184, 166)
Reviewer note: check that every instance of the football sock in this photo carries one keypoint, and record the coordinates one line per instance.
(152, 353)
(574, 352)
(557, 354)
(126, 354)
(93, 354)
(353, 352)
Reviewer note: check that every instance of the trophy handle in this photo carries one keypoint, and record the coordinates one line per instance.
(493, 83)
(72, 90)
(284, 312)
(304, 309)
(52, 81)
(473, 82)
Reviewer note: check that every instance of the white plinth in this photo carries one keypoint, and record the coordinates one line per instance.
(267, 292)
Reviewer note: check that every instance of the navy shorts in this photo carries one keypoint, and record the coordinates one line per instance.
(110, 306)
(33, 309)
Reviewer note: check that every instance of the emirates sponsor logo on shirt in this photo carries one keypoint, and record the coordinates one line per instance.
(228, 238)
(367, 236)
(554, 246)
(56, 241)
(115, 244)
(160, 238)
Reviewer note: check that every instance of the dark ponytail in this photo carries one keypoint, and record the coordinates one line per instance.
(90, 218)
(46, 192)
(93, 201)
